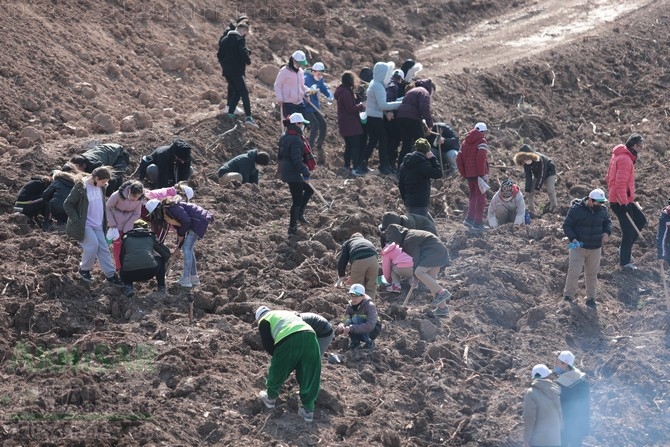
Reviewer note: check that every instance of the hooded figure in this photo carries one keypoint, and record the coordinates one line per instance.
(167, 165)
(58, 190)
(507, 206)
(539, 169)
(411, 221)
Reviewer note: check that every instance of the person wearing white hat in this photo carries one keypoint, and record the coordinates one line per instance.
(289, 85)
(542, 415)
(575, 399)
(293, 346)
(473, 164)
(318, 126)
(295, 163)
(360, 321)
(587, 227)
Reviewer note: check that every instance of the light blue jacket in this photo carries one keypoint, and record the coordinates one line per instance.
(323, 88)
(376, 104)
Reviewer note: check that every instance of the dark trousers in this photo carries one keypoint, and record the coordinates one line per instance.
(289, 109)
(317, 130)
(377, 136)
(410, 131)
(237, 89)
(158, 272)
(394, 138)
(352, 151)
(301, 192)
(628, 233)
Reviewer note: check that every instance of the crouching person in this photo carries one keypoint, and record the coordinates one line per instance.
(322, 328)
(507, 206)
(139, 261)
(360, 320)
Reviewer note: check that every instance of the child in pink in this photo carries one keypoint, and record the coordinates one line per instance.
(396, 265)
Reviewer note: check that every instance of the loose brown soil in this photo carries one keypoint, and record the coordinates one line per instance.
(87, 366)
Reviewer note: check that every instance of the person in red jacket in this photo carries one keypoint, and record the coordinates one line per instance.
(472, 162)
(621, 186)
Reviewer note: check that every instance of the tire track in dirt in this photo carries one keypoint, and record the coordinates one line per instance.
(533, 29)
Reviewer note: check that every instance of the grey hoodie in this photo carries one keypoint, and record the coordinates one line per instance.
(376, 103)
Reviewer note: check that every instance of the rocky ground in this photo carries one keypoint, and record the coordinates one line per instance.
(86, 366)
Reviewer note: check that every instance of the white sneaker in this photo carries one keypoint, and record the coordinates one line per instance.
(184, 281)
(195, 280)
(629, 266)
(308, 416)
(263, 396)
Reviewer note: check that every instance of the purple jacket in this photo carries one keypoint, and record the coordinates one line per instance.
(348, 120)
(191, 217)
(416, 106)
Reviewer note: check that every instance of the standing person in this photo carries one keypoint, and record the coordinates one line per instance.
(87, 223)
(322, 328)
(539, 169)
(109, 154)
(124, 207)
(243, 167)
(295, 163)
(58, 190)
(621, 186)
(191, 222)
(416, 170)
(396, 266)
(663, 236)
(234, 56)
(542, 416)
(167, 165)
(361, 322)
(507, 206)
(428, 254)
(142, 258)
(395, 90)
(587, 226)
(362, 255)
(290, 87)
(348, 120)
(414, 110)
(317, 132)
(472, 162)
(575, 400)
(293, 346)
(376, 106)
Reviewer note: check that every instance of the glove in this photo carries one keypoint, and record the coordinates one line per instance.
(575, 244)
(340, 282)
(112, 234)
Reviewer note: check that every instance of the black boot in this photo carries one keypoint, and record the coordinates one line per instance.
(293, 221)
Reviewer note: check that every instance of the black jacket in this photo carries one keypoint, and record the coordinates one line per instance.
(426, 249)
(411, 221)
(291, 153)
(110, 154)
(58, 191)
(137, 250)
(586, 224)
(353, 249)
(244, 164)
(415, 174)
(169, 171)
(451, 141)
(540, 168)
(233, 54)
(321, 326)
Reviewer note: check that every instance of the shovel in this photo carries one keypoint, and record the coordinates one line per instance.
(316, 191)
(409, 295)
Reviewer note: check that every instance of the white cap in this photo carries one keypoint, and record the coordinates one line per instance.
(357, 289)
(599, 196)
(540, 369)
(260, 311)
(318, 67)
(481, 127)
(566, 357)
(152, 205)
(299, 57)
(297, 118)
(188, 191)
(398, 73)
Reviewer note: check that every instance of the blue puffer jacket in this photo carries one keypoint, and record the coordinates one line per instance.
(587, 224)
(323, 88)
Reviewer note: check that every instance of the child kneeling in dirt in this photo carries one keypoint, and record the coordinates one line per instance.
(138, 260)
(507, 206)
(360, 322)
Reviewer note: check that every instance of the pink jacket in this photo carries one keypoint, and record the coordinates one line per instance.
(290, 86)
(621, 176)
(122, 213)
(392, 254)
(160, 194)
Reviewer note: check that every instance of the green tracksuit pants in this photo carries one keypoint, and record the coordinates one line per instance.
(299, 352)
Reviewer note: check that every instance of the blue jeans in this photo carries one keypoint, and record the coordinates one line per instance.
(358, 338)
(188, 249)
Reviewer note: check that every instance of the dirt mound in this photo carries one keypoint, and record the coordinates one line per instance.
(83, 365)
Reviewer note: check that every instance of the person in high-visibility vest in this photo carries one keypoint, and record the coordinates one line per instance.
(293, 346)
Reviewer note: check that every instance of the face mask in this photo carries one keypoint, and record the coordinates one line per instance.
(558, 370)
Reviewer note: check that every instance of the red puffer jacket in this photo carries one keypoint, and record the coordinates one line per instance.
(472, 159)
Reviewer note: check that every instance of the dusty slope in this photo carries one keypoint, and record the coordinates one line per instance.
(141, 373)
